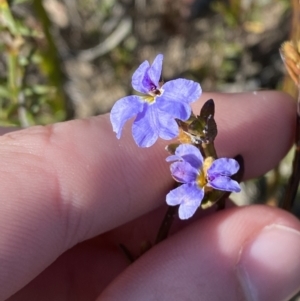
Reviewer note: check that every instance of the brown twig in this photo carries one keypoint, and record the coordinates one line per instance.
(292, 186)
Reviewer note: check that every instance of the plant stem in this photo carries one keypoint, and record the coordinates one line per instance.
(209, 150)
(52, 64)
(127, 253)
(166, 224)
(292, 186)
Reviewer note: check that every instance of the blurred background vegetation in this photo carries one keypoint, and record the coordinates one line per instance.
(65, 59)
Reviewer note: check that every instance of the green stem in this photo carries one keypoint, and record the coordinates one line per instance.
(12, 62)
(52, 52)
(209, 150)
(54, 65)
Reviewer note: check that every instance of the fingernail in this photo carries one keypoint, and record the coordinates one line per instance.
(269, 265)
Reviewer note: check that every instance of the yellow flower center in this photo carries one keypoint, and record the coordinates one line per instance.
(202, 177)
(151, 97)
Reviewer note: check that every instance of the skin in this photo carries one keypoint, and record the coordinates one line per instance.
(71, 193)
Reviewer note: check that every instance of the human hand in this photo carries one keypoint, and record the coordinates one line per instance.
(71, 193)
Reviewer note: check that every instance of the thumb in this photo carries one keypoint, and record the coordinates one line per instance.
(249, 253)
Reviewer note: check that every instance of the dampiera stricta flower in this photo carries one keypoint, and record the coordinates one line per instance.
(197, 175)
(157, 107)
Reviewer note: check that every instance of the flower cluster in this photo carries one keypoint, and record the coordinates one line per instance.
(158, 106)
(198, 174)
(161, 110)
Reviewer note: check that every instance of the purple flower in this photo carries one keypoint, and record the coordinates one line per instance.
(157, 108)
(196, 175)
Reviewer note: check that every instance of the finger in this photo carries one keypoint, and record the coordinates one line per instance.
(68, 182)
(5, 130)
(80, 269)
(249, 253)
(79, 274)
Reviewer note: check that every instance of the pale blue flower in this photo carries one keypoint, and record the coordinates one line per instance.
(196, 174)
(158, 107)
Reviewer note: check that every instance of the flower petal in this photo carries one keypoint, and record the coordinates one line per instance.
(139, 78)
(146, 78)
(183, 172)
(145, 128)
(168, 127)
(173, 158)
(181, 90)
(225, 184)
(154, 71)
(124, 109)
(176, 109)
(188, 196)
(190, 154)
(223, 166)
